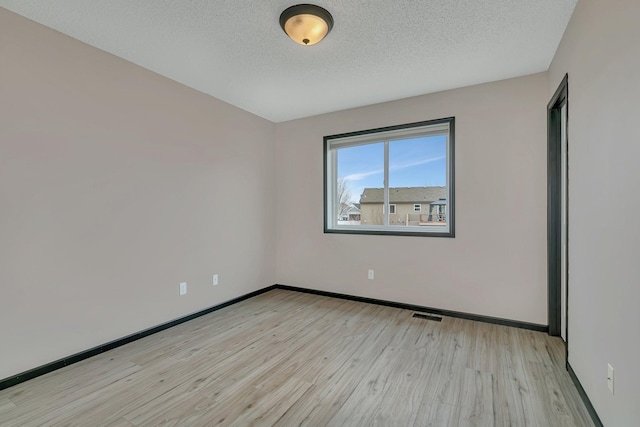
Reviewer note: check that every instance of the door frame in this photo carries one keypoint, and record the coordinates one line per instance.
(554, 206)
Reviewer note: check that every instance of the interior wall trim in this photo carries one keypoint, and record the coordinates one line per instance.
(66, 361)
(554, 220)
(412, 307)
(584, 397)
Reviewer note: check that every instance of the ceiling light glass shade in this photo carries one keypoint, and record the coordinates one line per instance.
(306, 24)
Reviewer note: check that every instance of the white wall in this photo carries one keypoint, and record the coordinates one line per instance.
(601, 52)
(115, 185)
(495, 266)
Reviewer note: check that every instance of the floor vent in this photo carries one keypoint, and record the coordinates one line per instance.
(427, 317)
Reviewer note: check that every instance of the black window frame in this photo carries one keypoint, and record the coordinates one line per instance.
(396, 232)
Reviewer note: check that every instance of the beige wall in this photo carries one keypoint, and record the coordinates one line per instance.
(601, 52)
(495, 268)
(115, 185)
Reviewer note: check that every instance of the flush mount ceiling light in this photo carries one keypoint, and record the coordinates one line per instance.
(306, 24)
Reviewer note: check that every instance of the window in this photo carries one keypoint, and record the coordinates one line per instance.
(392, 209)
(400, 179)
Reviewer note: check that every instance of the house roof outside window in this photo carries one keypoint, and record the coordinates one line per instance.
(404, 195)
(352, 210)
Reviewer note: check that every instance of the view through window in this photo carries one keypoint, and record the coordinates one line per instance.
(396, 180)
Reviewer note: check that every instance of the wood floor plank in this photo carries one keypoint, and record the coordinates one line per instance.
(515, 393)
(6, 404)
(286, 358)
(239, 375)
(120, 422)
(112, 401)
(42, 406)
(348, 371)
(473, 402)
(433, 413)
(403, 379)
(174, 408)
(454, 351)
(556, 410)
(272, 406)
(81, 374)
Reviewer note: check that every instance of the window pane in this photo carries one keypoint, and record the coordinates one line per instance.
(418, 181)
(395, 180)
(359, 167)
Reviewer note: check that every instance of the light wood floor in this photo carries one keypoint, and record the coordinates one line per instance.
(286, 359)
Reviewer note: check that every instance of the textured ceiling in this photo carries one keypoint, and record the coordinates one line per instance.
(379, 50)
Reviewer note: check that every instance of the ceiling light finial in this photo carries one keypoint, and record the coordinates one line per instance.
(306, 24)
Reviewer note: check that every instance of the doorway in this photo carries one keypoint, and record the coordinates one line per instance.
(558, 210)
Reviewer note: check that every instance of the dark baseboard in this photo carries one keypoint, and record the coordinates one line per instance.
(61, 363)
(585, 398)
(467, 316)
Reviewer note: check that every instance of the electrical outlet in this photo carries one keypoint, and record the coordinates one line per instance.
(215, 280)
(371, 275)
(610, 377)
(183, 288)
